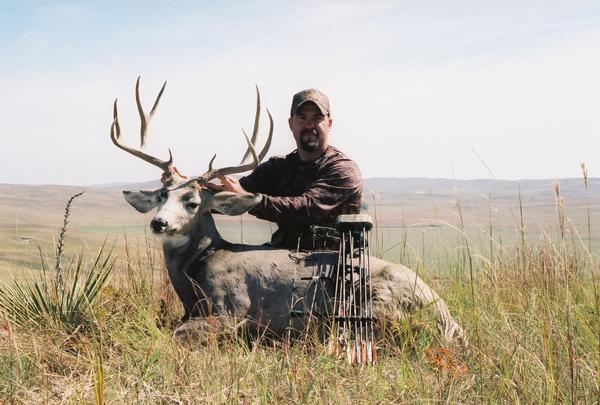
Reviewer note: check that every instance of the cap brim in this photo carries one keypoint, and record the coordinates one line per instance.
(323, 110)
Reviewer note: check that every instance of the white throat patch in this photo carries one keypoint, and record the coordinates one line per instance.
(173, 241)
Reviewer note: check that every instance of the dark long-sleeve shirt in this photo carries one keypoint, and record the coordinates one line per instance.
(299, 194)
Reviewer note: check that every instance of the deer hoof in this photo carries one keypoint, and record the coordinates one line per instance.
(194, 331)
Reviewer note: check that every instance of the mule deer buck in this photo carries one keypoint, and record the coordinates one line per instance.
(257, 288)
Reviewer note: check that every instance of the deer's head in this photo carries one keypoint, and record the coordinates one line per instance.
(181, 199)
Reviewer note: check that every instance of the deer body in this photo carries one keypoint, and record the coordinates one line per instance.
(264, 289)
(235, 282)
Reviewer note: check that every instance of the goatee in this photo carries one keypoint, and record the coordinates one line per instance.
(309, 143)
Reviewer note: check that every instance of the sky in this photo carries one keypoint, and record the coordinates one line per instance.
(452, 89)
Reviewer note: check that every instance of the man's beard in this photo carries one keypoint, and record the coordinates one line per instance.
(308, 143)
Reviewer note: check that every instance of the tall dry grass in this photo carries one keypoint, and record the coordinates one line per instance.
(530, 308)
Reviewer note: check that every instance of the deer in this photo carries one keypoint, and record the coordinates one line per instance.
(256, 288)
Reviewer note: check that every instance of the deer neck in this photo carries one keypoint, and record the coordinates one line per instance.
(203, 239)
(205, 234)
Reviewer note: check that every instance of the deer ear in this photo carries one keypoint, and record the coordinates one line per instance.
(142, 200)
(229, 203)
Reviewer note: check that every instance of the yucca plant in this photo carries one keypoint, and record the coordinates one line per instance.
(63, 298)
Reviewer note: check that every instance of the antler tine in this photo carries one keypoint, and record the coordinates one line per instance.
(115, 134)
(212, 173)
(255, 160)
(251, 149)
(211, 162)
(145, 119)
(256, 123)
(265, 148)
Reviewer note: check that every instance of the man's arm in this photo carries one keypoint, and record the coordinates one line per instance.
(261, 179)
(341, 184)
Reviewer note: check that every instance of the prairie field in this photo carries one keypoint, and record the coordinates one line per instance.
(516, 262)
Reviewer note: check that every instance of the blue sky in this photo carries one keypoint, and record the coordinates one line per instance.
(415, 86)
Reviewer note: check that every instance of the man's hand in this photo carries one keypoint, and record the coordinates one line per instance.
(227, 184)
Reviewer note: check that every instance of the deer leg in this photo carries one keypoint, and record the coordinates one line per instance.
(191, 296)
(200, 331)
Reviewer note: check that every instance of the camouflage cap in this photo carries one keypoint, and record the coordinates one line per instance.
(314, 96)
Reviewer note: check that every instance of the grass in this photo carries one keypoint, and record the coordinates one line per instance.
(527, 296)
(61, 297)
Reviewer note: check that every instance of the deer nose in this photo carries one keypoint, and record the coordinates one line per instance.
(158, 225)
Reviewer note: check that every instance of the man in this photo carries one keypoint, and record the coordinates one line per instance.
(310, 186)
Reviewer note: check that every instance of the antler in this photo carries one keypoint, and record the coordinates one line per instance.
(255, 129)
(115, 132)
(211, 173)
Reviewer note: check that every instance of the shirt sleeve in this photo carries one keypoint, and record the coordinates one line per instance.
(323, 199)
(261, 178)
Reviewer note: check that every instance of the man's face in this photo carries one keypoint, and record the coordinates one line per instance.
(310, 129)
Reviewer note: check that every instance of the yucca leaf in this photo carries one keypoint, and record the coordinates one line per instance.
(28, 304)
(73, 291)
